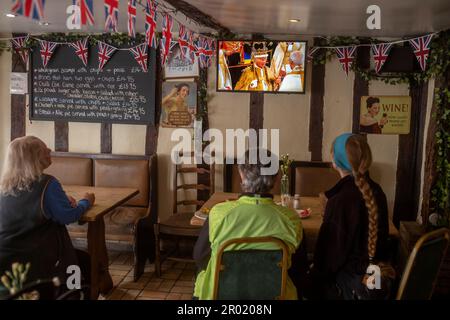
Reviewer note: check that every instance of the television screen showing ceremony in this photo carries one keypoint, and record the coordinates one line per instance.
(265, 66)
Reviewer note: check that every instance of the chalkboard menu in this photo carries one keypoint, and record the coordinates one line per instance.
(67, 90)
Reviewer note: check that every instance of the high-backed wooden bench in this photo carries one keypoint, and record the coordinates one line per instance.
(131, 223)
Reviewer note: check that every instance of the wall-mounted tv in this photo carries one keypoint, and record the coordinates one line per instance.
(261, 66)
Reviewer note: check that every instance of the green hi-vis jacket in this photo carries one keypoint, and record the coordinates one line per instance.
(249, 217)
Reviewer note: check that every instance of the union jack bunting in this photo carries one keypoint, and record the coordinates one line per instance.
(199, 51)
(183, 38)
(105, 52)
(29, 8)
(380, 54)
(166, 39)
(132, 18)
(208, 52)
(86, 11)
(81, 50)
(111, 14)
(140, 55)
(421, 47)
(18, 46)
(311, 52)
(346, 57)
(192, 46)
(150, 24)
(47, 49)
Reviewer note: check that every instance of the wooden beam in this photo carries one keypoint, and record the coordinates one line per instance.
(409, 163)
(316, 110)
(151, 135)
(360, 86)
(204, 179)
(18, 101)
(430, 172)
(106, 138)
(61, 136)
(195, 14)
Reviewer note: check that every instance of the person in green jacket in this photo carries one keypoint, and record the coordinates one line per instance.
(254, 214)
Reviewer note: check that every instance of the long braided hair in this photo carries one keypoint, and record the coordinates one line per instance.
(360, 158)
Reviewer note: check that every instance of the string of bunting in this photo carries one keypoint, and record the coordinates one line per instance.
(380, 52)
(192, 45)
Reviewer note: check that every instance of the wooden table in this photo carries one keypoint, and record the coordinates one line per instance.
(106, 199)
(311, 225)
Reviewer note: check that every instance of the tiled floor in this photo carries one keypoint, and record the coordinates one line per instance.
(176, 282)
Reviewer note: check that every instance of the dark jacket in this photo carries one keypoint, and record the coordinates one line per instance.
(27, 234)
(343, 237)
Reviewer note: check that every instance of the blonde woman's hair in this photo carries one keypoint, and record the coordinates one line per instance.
(23, 165)
(360, 158)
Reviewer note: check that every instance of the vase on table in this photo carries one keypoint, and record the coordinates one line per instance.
(285, 195)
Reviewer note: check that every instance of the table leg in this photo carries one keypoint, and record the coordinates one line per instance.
(101, 281)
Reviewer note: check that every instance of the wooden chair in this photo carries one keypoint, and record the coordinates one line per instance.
(178, 227)
(251, 274)
(422, 269)
(311, 178)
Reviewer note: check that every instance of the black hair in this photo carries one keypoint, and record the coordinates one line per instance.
(371, 101)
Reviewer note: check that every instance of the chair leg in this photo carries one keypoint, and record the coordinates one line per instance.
(157, 251)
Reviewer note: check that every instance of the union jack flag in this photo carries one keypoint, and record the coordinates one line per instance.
(192, 47)
(81, 50)
(29, 8)
(166, 39)
(112, 15)
(47, 49)
(311, 51)
(421, 47)
(105, 52)
(150, 24)
(132, 18)
(86, 11)
(380, 54)
(18, 45)
(346, 57)
(183, 41)
(140, 55)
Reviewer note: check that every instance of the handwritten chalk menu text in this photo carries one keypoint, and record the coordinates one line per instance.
(67, 90)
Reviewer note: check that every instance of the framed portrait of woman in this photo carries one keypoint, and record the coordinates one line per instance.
(179, 104)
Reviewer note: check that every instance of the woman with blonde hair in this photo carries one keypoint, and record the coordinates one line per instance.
(354, 231)
(33, 212)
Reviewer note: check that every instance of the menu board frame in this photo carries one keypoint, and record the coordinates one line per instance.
(74, 62)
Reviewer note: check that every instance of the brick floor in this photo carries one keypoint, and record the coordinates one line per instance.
(176, 282)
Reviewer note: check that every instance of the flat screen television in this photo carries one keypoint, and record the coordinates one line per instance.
(261, 66)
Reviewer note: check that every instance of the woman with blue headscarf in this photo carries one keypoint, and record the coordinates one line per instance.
(355, 225)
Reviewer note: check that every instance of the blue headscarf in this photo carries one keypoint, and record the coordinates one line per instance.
(340, 153)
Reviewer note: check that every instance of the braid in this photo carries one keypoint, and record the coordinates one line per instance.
(360, 158)
(372, 208)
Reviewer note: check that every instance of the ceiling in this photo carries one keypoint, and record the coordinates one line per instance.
(269, 17)
(55, 14)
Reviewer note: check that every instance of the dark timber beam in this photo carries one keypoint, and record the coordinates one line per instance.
(316, 109)
(195, 14)
(18, 101)
(360, 86)
(61, 136)
(409, 163)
